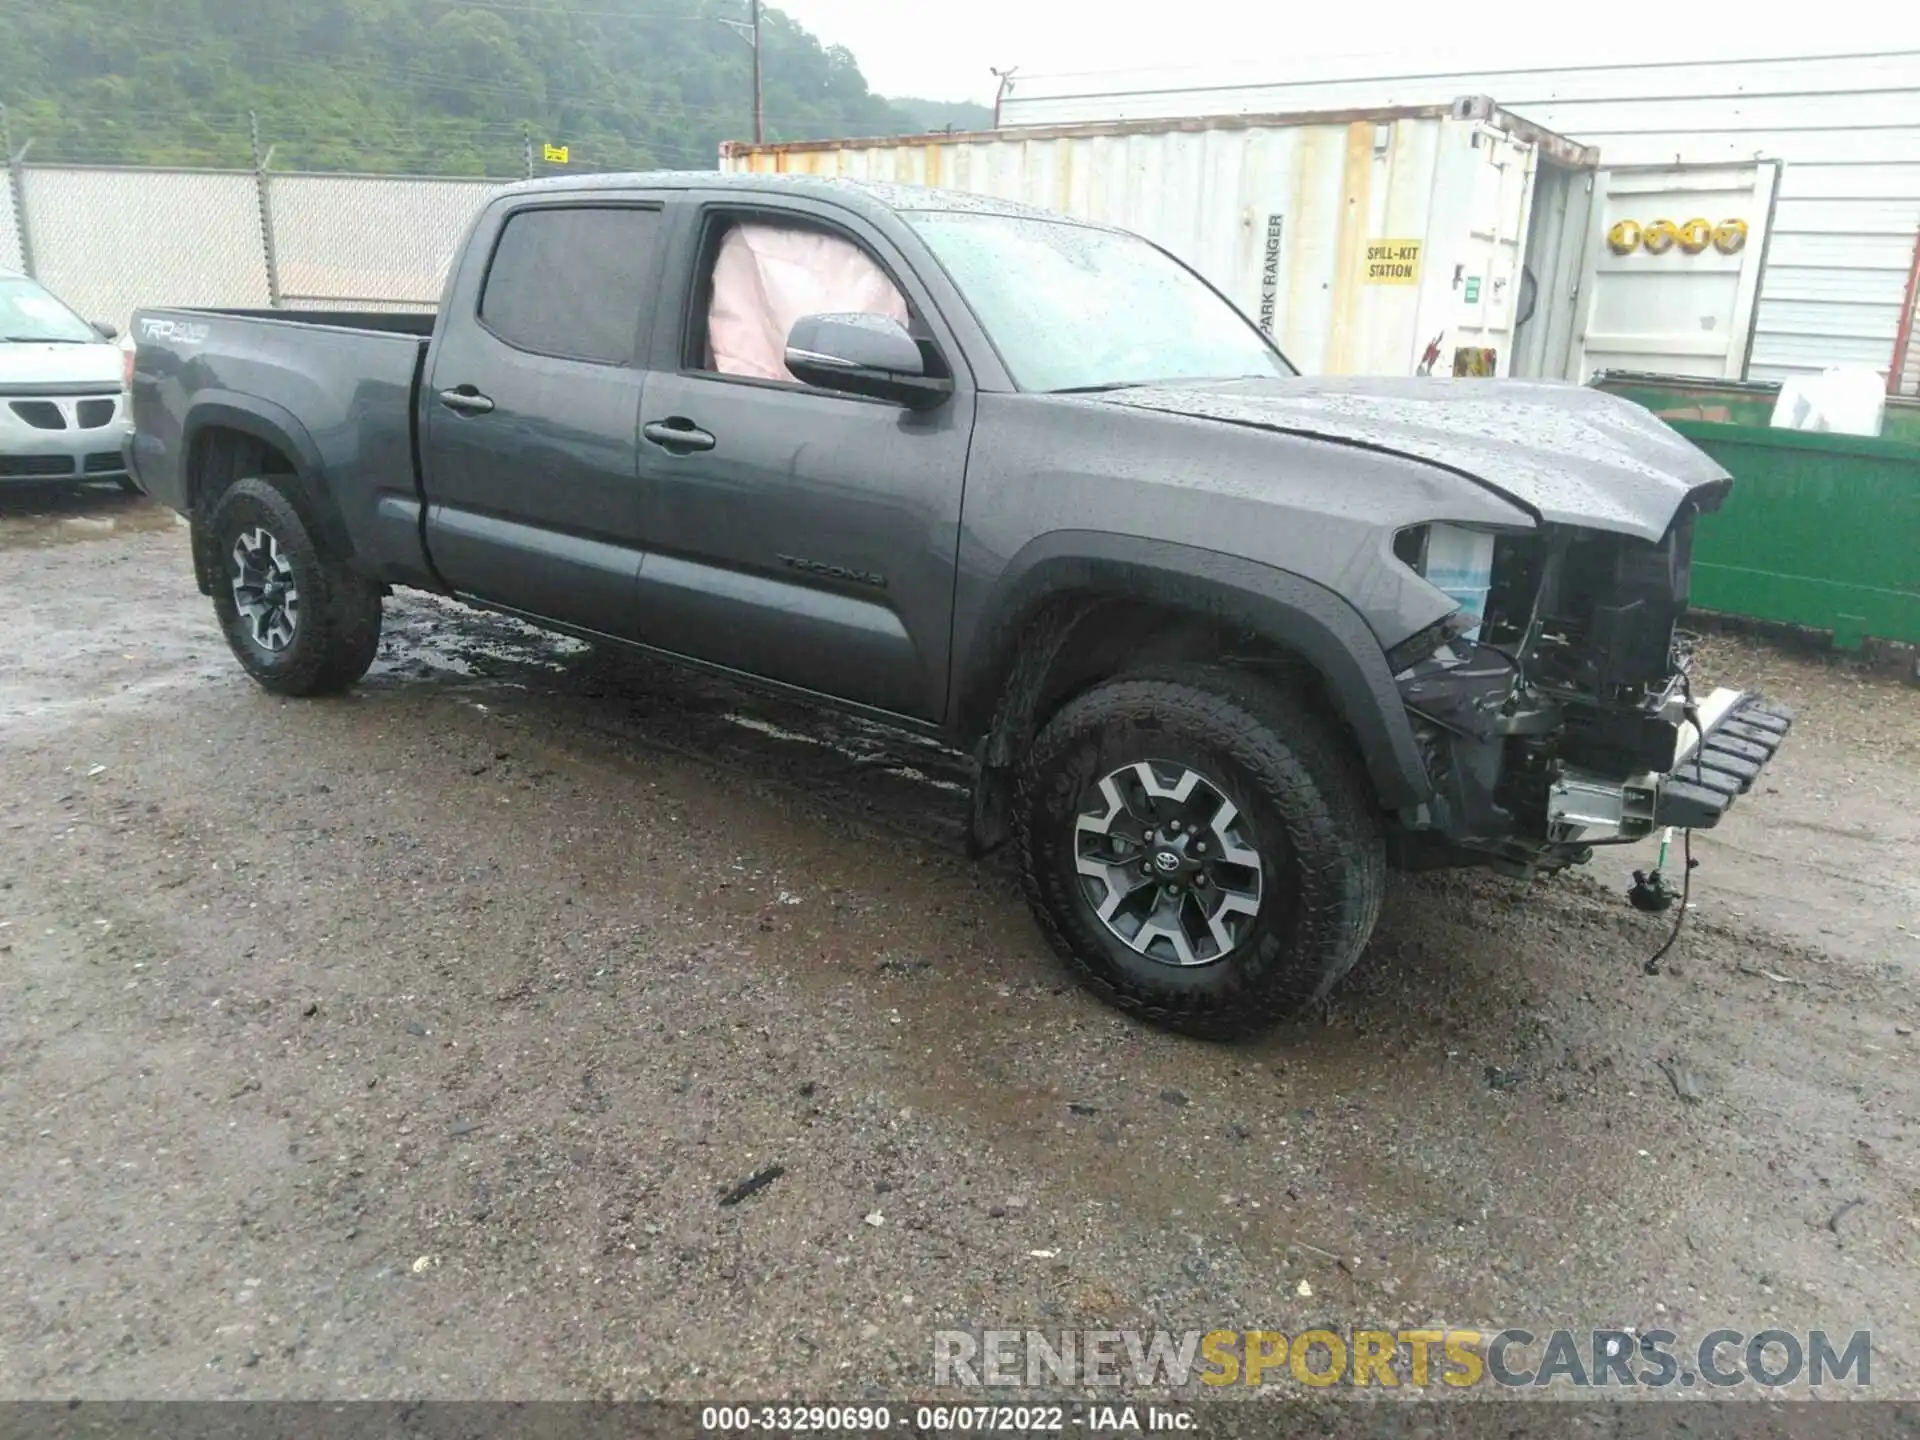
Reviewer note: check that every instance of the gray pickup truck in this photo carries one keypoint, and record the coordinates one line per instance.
(1225, 642)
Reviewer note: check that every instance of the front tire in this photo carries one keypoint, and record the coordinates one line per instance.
(1201, 848)
(298, 620)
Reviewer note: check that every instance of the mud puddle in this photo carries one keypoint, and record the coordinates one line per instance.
(36, 517)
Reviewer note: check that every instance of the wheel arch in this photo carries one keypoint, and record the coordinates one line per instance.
(1049, 622)
(228, 437)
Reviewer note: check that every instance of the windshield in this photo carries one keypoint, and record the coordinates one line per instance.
(29, 313)
(1074, 308)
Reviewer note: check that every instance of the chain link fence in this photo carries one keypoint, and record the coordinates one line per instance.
(106, 241)
(111, 239)
(367, 242)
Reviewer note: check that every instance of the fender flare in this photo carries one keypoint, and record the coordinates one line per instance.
(1285, 608)
(280, 428)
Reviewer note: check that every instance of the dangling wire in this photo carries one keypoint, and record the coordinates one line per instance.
(1652, 967)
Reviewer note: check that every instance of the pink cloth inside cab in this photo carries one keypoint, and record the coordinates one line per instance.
(766, 277)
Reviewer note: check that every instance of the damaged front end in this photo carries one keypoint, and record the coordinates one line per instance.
(1555, 707)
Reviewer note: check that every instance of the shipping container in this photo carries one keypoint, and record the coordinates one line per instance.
(1844, 127)
(1448, 239)
(1905, 376)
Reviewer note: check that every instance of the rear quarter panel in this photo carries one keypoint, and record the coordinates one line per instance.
(338, 402)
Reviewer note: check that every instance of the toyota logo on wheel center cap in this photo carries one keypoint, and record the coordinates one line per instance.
(1167, 861)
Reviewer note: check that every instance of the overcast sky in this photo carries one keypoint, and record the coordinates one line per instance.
(941, 50)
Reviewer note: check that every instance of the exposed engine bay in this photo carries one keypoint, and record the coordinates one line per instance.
(1561, 715)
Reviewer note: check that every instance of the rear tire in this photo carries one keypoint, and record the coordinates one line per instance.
(1192, 936)
(298, 620)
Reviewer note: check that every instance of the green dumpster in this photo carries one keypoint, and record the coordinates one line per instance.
(1821, 531)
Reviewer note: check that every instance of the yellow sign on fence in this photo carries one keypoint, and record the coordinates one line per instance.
(557, 154)
(1393, 262)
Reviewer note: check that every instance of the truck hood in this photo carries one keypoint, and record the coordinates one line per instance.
(33, 362)
(1571, 455)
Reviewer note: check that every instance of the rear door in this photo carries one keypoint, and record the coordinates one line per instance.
(1674, 259)
(532, 405)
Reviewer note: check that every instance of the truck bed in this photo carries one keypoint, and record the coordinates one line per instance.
(392, 322)
(342, 387)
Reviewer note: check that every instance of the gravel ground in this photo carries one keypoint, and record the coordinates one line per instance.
(404, 1045)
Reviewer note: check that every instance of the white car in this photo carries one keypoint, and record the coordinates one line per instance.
(64, 413)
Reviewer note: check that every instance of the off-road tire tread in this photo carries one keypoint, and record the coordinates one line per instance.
(1314, 779)
(340, 609)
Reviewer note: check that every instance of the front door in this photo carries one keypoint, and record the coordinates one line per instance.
(794, 534)
(532, 409)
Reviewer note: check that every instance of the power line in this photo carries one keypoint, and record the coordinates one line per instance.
(421, 153)
(389, 75)
(349, 129)
(109, 115)
(617, 153)
(572, 14)
(422, 79)
(238, 125)
(360, 128)
(58, 113)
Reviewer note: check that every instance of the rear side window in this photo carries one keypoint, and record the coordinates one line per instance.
(574, 282)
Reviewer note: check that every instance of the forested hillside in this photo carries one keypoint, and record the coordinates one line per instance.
(927, 115)
(448, 87)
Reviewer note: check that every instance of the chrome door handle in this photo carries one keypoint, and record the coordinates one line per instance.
(678, 435)
(466, 400)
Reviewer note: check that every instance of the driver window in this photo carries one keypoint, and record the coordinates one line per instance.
(767, 276)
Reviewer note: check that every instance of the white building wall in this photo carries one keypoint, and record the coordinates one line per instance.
(1847, 128)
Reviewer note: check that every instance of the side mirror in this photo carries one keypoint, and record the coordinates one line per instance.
(863, 355)
(107, 329)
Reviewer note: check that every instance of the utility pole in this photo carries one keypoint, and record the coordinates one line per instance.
(759, 100)
(1005, 77)
(17, 185)
(749, 31)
